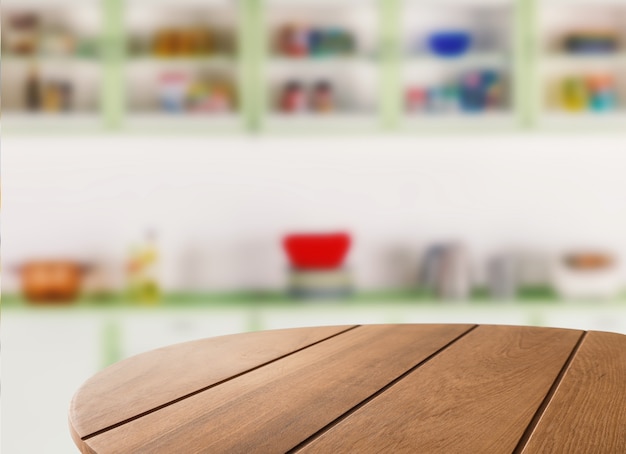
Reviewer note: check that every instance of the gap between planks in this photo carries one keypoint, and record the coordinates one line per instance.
(213, 385)
(546, 400)
(364, 402)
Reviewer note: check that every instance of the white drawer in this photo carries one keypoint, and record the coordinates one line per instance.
(147, 331)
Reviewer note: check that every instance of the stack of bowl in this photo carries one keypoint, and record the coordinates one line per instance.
(317, 265)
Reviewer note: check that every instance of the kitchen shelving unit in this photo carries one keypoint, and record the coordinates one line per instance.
(51, 68)
(118, 90)
(160, 37)
(353, 76)
(495, 30)
(550, 22)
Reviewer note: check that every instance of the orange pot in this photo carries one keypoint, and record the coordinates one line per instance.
(51, 280)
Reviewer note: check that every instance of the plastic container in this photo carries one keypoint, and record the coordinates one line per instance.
(450, 43)
(317, 250)
(588, 275)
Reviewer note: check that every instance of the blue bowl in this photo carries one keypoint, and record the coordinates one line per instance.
(449, 43)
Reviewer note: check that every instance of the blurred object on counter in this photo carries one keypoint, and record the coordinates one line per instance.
(321, 98)
(590, 93)
(294, 40)
(533, 268)
(503, 276)
(316, 261)
(591, 42)
(180, 92)
(592, 274)
(312, 284)
(589, 261)
(445, 271)
(142, 271)
(317, 250)
(52, 281)
(473, 91)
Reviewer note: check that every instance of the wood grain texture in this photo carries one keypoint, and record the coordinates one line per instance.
(80, 444)
(477, 396)
(587, 413)
(149, 380)
(275, 407)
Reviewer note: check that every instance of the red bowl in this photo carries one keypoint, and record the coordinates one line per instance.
(316, 250)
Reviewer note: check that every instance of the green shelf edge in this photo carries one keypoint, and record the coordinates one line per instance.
(526, 298)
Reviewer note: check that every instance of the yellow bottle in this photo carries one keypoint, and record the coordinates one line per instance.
(574, 94)
(142, 269)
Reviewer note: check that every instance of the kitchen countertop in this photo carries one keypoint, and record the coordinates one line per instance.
(530, 298)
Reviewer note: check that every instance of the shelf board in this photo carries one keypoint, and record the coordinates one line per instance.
(490, 120)
(217, 60)
(491, 59)
(43, 59)
(73, 121)
(322, 61)
(564, 59)
(581, 121)
(346, 121)
(21, 4)
(195, 121)
(186, 3)
(569, 3)
(320, 3)
(480, 3)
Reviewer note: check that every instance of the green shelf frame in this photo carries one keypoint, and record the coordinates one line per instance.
(113, 86)
(252, 58)
(391, 63)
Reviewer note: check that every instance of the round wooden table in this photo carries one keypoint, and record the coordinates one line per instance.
(364, 389)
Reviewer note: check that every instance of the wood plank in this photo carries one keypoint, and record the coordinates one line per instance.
(587, 413)
(273, 408)
(146, 381)
(477, 396)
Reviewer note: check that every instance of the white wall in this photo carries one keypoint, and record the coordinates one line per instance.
(220, 205)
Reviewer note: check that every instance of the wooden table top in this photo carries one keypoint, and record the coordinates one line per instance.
(364, 389)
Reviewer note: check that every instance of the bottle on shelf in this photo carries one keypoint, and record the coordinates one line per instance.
(295, 40)
(292, 99)
(593, 93)
(591, 42)
(142, 270)
(23, 34)
(322, 99)
(57, 96)
(32, 92)
(476, 91)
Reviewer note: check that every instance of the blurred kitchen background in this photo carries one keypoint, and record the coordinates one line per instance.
(173, 170)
